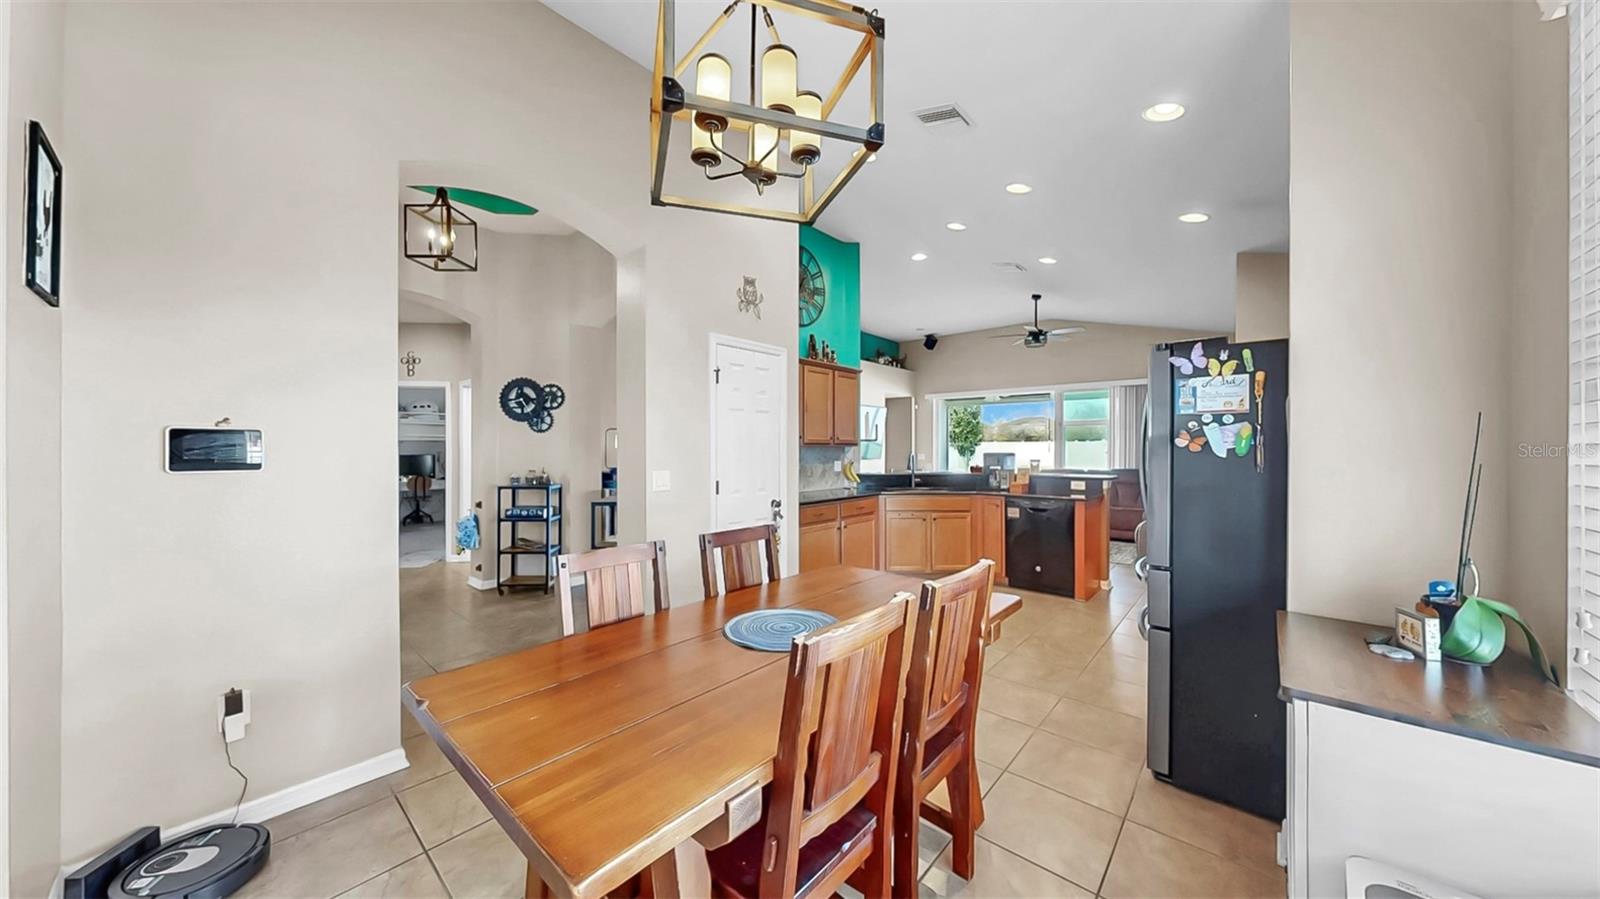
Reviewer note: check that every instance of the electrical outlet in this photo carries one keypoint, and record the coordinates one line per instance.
(838, 466)
(233, 713)
(660, 481)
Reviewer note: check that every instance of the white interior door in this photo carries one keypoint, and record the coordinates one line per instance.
(747, 420)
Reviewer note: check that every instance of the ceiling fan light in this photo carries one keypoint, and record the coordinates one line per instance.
(1047, 260)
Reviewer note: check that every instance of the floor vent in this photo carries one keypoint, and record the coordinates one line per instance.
(942, 115)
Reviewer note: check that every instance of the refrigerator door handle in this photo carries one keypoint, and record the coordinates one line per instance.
(1144, 623)
(1144, 453)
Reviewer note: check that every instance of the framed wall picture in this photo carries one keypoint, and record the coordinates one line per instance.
(43, 250)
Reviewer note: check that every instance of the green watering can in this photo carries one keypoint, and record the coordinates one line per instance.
(1476, 633)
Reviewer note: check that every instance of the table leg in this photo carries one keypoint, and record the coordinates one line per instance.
(662, 878)
(534, 888)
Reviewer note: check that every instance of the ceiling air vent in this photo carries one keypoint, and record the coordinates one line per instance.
(943, 115)
(1010, 266)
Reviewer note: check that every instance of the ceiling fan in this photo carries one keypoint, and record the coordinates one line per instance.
(1035, 336)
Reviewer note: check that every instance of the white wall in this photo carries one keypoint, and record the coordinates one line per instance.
(33, 390)
(974, 362)
(1261, 296)
(445, 351)
(250, 270)
(1537, 482)
(1427, 276)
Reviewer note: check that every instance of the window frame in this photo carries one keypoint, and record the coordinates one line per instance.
(941, 425)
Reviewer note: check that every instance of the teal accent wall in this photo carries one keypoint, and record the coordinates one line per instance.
(872, 343)
(840, 324)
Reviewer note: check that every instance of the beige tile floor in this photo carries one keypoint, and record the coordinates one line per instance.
(1071, 809)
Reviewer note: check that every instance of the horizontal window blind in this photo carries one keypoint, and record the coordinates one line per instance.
(1583, 481)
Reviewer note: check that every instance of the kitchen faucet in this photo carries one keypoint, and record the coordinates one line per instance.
(911, 463)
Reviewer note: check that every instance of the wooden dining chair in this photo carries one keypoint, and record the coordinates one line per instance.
(614, 583)
(828, 807)
(740, 550)
(940, 721)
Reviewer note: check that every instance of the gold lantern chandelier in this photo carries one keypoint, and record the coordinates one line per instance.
(783, 127)
(439, 236)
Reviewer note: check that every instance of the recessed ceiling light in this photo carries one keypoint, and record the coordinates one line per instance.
(1164, 112)
(1194, 218)
(1017, 187)
(955, 226)
(918, 257)
(1047, 260)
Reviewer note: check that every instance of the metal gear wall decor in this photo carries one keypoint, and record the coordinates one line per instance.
(528, 401)
(411, 360)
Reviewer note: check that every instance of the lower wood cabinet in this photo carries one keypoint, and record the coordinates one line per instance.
(906, 544)
(950, 544)
(943, 533)
(842, 533)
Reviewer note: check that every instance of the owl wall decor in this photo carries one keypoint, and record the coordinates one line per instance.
(749, 297)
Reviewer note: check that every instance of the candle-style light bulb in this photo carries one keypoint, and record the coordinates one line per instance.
(714, 79)
(805, 147)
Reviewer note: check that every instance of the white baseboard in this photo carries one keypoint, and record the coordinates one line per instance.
(283, 801)
(481, 583)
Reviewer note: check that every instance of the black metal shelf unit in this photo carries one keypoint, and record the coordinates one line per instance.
(547, 513)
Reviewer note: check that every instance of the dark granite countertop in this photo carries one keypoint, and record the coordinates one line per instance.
(812, 497)
(1326, 660)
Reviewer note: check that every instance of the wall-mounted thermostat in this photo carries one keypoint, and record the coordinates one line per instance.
(202, 449)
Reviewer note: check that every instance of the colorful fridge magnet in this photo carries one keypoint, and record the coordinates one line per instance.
(1249, 361)
(1195, 362)
(1206, 418)
(1193, 442)
(1245, 439)
(1227, 419)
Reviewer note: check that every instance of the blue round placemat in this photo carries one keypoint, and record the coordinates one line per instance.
(774, 630)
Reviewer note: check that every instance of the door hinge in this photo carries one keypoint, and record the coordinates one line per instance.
(717, 374)
(719, 488)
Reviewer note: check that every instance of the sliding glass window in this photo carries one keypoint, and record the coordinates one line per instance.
(1021, 425)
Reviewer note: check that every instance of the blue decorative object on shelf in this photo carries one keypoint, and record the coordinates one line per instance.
(774, 630)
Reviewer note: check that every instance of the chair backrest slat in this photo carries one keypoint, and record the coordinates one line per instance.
(614, 583)
(740, 551)
(947, 650)
(841, 723)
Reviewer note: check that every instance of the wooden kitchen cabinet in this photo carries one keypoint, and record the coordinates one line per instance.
(950, 545)
(842, 533)
(905, 542)
(991, 513)
(830, 399)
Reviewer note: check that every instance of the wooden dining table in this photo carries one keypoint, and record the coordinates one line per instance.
(601, 752)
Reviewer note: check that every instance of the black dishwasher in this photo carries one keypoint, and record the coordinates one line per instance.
(1039, 543)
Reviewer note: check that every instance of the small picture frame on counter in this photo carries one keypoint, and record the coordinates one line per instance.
(1418, 633)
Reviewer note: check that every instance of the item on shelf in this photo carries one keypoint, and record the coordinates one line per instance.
(811, 347)
(516, 480)
(1418, 631)
(531, 512)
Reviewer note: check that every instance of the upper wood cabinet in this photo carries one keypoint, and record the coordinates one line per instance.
(830, 397)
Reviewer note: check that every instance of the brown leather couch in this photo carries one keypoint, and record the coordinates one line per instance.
(1127, 506)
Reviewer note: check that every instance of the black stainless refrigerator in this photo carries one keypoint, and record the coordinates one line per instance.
(1215, 481)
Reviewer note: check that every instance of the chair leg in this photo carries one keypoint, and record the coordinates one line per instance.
(907, 823)
(877, 874)
(962, 787)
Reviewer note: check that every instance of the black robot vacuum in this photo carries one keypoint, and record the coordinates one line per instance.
(208, 863)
